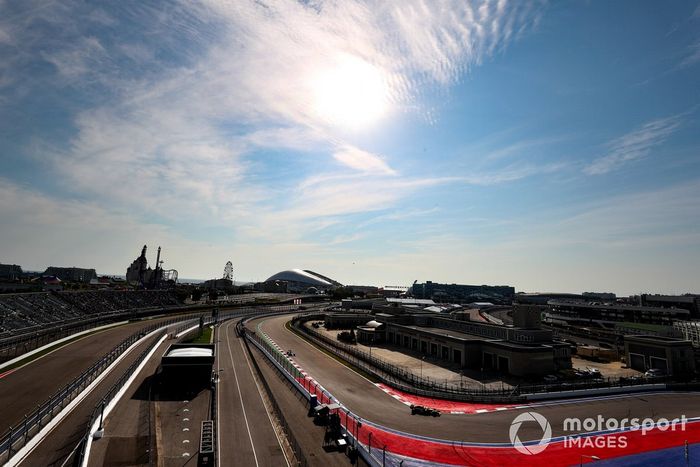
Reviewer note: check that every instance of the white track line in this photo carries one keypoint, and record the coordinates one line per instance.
(115, 400)
(240, 397)
(263, 403)
(22, 454)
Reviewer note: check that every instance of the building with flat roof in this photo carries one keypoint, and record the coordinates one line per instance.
(463, 293)
(10, 271)
(71, 274)
(187, 361)
(688, 302)
(585, 313)
(673, 356)
(218, 284)
(481, 346)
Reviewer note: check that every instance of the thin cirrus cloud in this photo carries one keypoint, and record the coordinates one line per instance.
(634, 145)
(178, 119)
(195, 128)
(362, 160)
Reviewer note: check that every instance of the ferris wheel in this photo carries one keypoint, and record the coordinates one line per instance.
(228, 271)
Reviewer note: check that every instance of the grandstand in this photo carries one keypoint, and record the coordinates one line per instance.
(27, 312)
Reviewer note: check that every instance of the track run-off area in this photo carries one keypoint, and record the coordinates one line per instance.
(479, 434)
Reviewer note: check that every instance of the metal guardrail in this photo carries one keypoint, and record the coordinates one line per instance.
(289, 371)
(293, 443)
(98, 411)
(188, 322)
(18, 436)
(28, 339)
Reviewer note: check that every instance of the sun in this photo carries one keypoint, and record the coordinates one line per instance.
(351, 93)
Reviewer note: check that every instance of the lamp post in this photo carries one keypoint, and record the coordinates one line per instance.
(421, 367)
(596, 458)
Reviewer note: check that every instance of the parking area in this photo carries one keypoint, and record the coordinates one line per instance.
(607, 370)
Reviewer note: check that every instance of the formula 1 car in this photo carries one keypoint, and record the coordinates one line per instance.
(420, 410)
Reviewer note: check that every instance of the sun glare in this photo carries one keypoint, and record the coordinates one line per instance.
(353, 94)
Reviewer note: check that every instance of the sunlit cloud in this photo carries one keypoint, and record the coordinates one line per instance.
(362, 160)
(281, 75)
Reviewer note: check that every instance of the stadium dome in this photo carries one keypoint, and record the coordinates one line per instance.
(299, 276)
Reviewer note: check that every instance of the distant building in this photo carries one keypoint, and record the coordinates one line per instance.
(509, 350)
(686, 302)
(673, 356)
(101, 282)
(394, 291)
(49, 283)
(138, 273)
(218, 284)
(528, 316)
(10, 271)
(583, 313)
(364, 289)
(463, 293)
(71, 274)
(608, 296)
(542, 298)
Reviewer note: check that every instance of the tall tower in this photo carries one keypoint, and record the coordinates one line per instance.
(228, 271)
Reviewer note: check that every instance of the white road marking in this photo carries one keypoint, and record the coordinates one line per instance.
(263, 403)
(240, 396)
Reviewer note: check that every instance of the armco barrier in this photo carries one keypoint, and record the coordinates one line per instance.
(19, 435)
(275, 355)
(383, 446)
(289, 434)
(98, 410)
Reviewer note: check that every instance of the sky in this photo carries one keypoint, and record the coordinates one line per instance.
(549, 146)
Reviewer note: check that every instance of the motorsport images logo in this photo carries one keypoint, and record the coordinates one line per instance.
(589, 432)
(530, 449)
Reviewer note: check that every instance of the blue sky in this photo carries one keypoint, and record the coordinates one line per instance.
(549, 146)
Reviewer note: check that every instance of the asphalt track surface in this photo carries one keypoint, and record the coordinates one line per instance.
(246, 436)
(24, 388)
(369, 402)
(60, 443)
